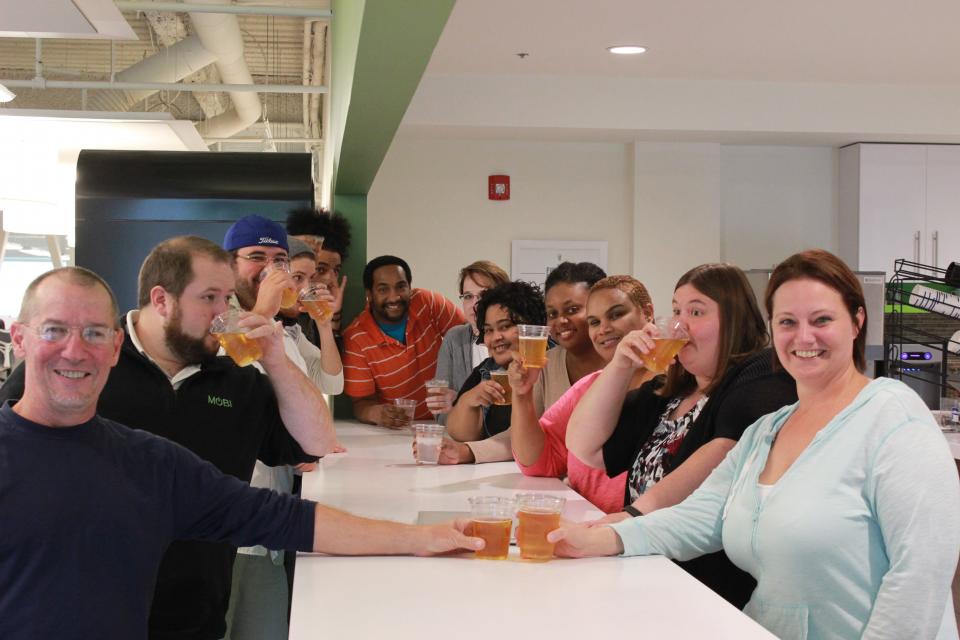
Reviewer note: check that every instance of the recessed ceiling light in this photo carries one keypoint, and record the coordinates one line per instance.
(626, 50)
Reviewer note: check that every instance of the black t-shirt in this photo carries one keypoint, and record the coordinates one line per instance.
(496, 418)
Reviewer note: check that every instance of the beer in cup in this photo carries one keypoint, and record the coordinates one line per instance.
(233, 338)
(491, 518)
(500, 377)
(671, 338)
(533, 345)
(288, 298)
(313, 299)
(539, 514)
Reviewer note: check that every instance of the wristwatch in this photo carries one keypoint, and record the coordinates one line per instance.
(633, 511)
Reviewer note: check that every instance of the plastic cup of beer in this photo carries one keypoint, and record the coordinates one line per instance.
(500, 377)
(429, 439)
(288, 298)
(434, 387)
(233, 338)
(491, 518)
(538, 514)
(671, 338)
(409, 408)
(533, 345)
(313, 299)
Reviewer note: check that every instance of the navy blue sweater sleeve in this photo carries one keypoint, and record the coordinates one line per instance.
(209, 505)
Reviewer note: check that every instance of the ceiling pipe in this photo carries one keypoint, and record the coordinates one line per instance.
(234, 9)
(220, 34)
(44, 83)
(170, 65)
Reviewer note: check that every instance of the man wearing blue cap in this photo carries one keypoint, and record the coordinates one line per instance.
(263, 268)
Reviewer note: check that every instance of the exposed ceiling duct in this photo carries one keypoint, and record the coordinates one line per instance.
(220, 34)
(169, 65)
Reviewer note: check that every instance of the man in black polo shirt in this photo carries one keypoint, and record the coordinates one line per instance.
(169, 381)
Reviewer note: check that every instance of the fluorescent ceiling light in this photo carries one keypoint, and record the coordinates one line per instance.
(626, 49)
(6, 95)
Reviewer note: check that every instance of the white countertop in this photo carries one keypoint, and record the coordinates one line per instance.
(464, 598)
(953, 439)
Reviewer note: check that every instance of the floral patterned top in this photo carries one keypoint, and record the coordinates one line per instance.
(647, 469)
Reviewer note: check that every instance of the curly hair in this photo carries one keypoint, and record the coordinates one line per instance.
(334, 228)
(573, 273)
(522, 300)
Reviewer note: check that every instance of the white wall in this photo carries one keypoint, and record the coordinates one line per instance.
(429, 202)
(663, 207)
(777, 201)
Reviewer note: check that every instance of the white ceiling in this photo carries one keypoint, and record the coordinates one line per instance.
(736, 71)
(848, 41)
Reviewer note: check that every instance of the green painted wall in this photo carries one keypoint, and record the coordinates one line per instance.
(380, 49)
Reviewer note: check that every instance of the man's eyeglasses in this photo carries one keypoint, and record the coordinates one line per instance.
(262, 259)
(94, 335)
(470, 298)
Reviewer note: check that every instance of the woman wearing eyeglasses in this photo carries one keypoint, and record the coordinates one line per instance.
(459, 351)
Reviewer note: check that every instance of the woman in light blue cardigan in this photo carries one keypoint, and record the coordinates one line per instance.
(845, 507)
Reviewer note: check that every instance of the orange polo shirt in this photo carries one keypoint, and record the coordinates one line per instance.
(373, 362)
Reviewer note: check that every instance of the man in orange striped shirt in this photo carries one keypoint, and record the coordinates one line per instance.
(390, 349)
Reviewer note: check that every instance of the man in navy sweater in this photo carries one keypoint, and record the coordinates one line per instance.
(89, 506)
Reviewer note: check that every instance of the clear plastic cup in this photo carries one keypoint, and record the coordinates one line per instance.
(233, 338)
(538, 515)
(429, 440)
(491, 518)
(533, 345)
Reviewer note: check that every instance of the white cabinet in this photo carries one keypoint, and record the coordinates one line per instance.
(899, 201)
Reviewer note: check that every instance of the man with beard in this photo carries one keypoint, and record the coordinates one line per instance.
(390, 349)
(170, 382)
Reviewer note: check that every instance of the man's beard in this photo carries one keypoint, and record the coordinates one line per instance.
(188, 349)
(246, 293)
(405, 306)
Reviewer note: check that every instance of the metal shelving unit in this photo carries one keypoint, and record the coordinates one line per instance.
(901, 331)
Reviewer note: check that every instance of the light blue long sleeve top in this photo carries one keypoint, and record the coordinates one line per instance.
(858, 539)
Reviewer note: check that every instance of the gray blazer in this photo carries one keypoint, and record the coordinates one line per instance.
(456, 351)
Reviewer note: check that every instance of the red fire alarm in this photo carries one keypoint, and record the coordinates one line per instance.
(498, 187)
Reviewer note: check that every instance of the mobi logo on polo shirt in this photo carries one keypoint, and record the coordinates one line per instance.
(217, 401)
(268, 240)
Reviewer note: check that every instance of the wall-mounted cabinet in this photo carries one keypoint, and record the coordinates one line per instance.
(899, 201)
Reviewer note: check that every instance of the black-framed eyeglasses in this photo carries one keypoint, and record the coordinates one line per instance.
(94, 335)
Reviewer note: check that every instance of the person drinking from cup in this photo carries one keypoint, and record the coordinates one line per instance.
(259, 595)
(668, 439)
(328, 234)
(572, 357)
(461, 350)
(845, 506)
(390, 349)
(616, 306)
(480, 410)
(169, 381)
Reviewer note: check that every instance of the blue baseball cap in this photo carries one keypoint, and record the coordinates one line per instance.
(255, 231)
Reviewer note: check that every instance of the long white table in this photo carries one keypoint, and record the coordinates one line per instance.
(463, 598)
